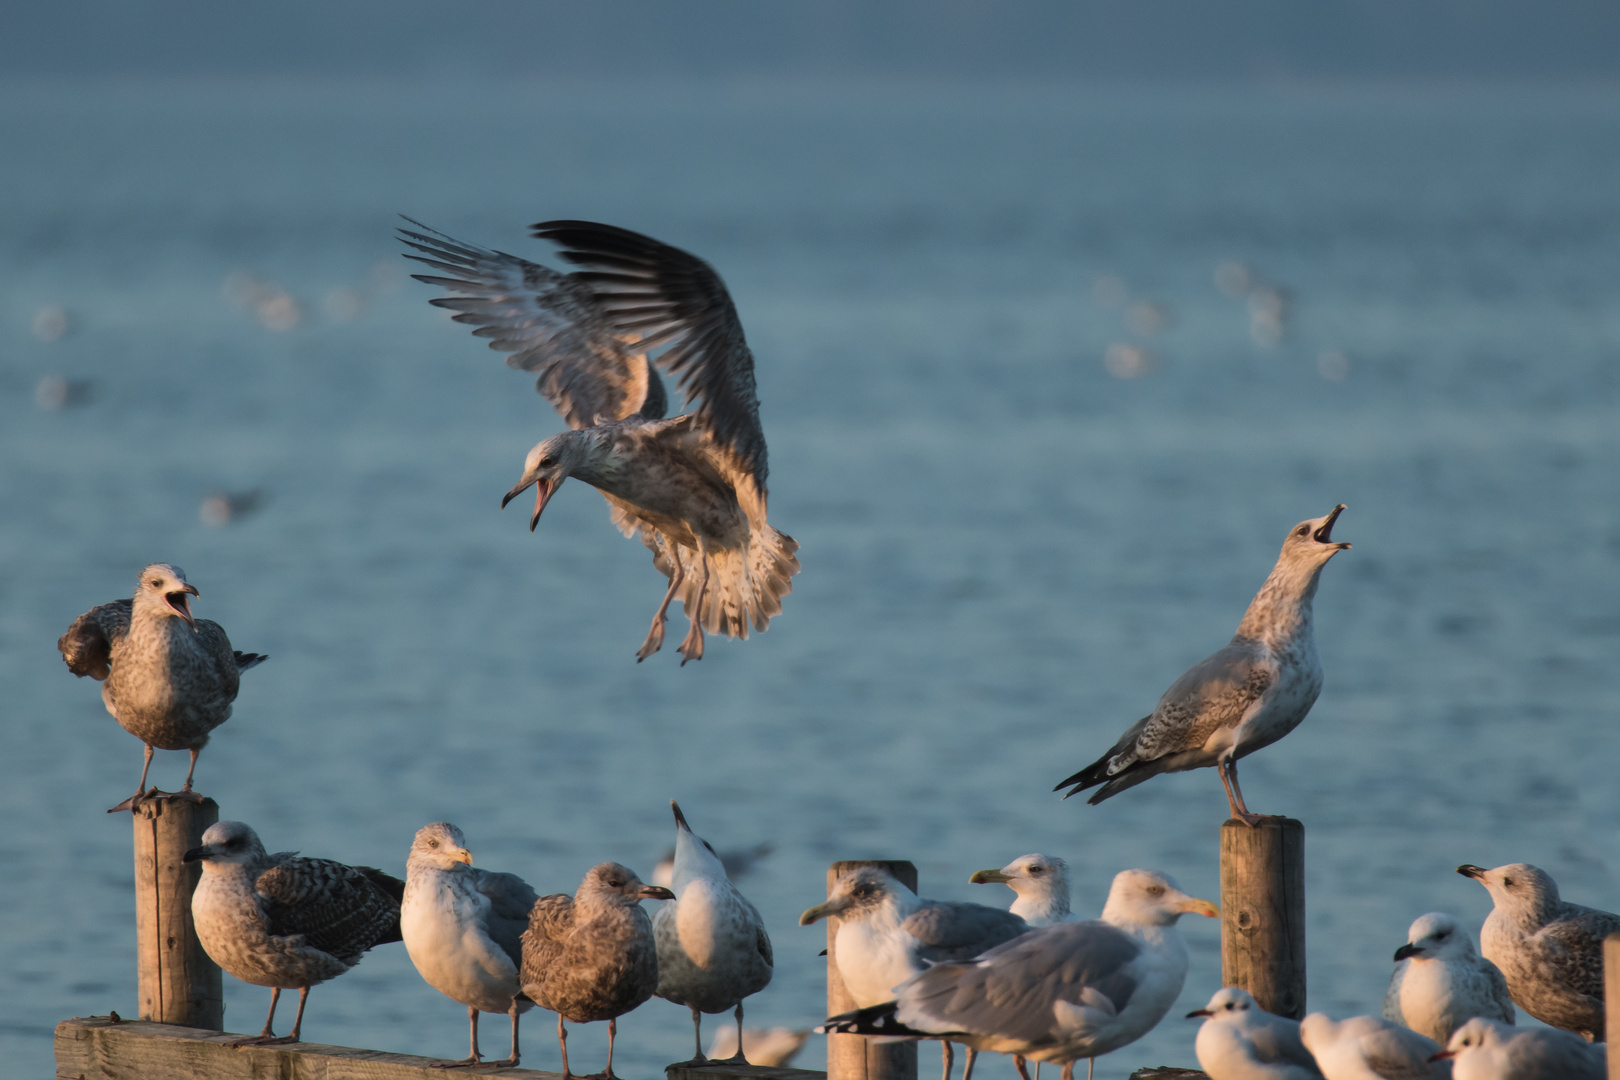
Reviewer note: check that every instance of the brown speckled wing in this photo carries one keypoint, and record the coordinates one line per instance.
(88, 644)
(1212, 694)
(338, 909)
(219, 647)
(550, 919)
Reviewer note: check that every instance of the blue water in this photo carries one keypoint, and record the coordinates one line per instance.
(1008, 552)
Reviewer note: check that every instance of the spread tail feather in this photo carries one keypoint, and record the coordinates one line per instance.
(745, 588)
(245, 660)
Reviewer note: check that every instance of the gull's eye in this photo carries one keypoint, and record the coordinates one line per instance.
(1155, 890)
(547, 462)
(1303, 530)
(1034, 870)
(1507, 883)
(433, 843)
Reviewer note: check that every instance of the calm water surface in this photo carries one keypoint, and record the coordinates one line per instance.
(1008, 551)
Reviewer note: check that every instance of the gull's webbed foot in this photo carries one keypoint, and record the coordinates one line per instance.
(134, 800)
(692, 646)
(654, 642)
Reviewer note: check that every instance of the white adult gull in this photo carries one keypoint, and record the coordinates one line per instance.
(1244, 697)
(167, 677)
(713, 950)
(463, 928)
(1483, 1049)
(285, 922)
(1064, 992)
(1241, 1041)
(1040, 884)
(1370, 1048)
(692, 486)
(1550, 951)
(1440, 981)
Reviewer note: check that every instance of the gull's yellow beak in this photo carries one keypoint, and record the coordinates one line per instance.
(464, 855)
(988, 877)
(1194, 906)
(821, 911)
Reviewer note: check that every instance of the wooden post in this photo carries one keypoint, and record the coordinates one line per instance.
(177, 983)
(1263, 912)
(1611, 999)
(855, 1057)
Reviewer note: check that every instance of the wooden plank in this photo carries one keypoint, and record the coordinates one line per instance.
(100, 1048)
(855, 1057)
(176, 983)
(1263, 912)
(739, 1072)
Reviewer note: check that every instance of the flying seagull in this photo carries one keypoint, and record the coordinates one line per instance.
(1067, 991)
(1248, 695)
(166, 677)
(591, 956)
(285, 922)
(691, 486)
(1549, 950)
(1440, 981)
(463, 928)
(713, 950)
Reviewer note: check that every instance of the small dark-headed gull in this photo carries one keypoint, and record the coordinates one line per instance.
(1065, 992)
(1041, 883)
(1370, 1048)
(464, 928)
(591, 956)
(693, 487)
(713, 950)
(166, 677)
(285, 922)
(1247, 696)
(1440, 981)
(1549, 950)
(1241, 1041)
(1482, 1049)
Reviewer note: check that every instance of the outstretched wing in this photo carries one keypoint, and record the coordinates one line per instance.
(87, 646)
(338, 909)
(672, 298)
(549, 322)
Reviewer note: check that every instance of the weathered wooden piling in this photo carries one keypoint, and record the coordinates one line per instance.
(1263, 912)
(1611, 1000)
(176, 982)
(855, 1057)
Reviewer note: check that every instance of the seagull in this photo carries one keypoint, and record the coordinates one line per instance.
(692, 486)
(713, 950)
(463, 929)
(1440, 981)
(1041, 883)
(887, 934)
(166, 677)
(1370, 1048)
(770, 1048)
(1550, 951)
(1241, 1041)
(284, 922)
(1064, 992)
(1482, 1049)
(1248, 695)
(591, 956)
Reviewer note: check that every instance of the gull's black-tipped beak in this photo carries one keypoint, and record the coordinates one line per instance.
(1199, 1012)
(190, 588)
(182, 606)
(1406, 952)
(680, 818)
(197, 854)
(515, 492)
(655, 892)
(1470, 870)
(1324, 535)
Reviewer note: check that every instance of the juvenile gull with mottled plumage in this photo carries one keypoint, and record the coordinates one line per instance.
(1550, 951)
(713, 950)
(1440, 981)
(285, 922)
(692, 486)
(1247, 696)
(591, 956)
(464, 928)
(166, 677)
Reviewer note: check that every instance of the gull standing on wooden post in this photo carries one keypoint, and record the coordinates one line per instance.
(463, 928)
(1041, 885)
(693, 486)
(1244, 697)
(285, 922)
(1550, 951)
(1068, 991)
(591, 956)
(1440, 981)
(166, 677)
(713, 950)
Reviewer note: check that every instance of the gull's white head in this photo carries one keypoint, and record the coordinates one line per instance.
(860, 894)
(611, 883)
(163, 589)
(694, 856)
(227, 843)
(1522, 892)
(547, 466)
(441, 846)
(1230, 1004)
(1042, 885)
(1149, 898)
(1436, 936)
(1310, 544)
(1477, 1036)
